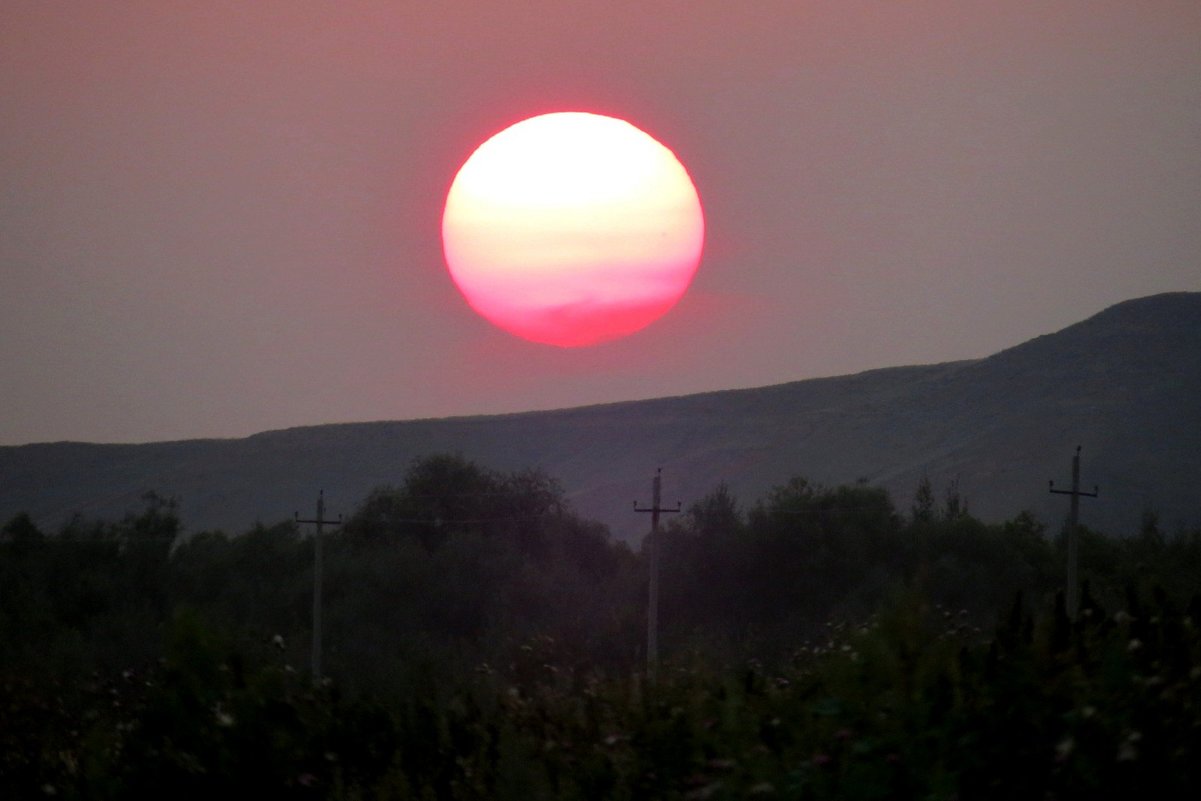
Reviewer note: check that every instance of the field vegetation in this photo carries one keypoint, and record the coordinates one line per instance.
(482, 641)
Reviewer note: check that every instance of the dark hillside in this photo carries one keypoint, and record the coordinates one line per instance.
(1124, 384)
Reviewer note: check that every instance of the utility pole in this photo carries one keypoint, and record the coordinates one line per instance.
(652, 606)
(318, 570)
(1073, 590)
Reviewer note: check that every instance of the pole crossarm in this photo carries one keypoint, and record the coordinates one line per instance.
(320, 520)
(1081, 493)
(663, 510)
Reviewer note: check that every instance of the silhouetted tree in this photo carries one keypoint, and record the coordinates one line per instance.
(922, 510)
(955, 506)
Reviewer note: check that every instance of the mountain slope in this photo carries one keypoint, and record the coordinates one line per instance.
(1125, 384)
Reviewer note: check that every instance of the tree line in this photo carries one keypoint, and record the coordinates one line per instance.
(459, 586)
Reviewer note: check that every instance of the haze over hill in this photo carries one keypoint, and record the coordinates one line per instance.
(1124, 384)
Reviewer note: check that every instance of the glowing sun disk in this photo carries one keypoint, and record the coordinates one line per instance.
(572, 229)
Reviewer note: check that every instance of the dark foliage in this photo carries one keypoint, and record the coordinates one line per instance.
(482, 641)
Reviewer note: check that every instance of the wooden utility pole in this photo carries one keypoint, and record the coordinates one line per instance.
(318, 570)
(1072, 599)
(652, 606)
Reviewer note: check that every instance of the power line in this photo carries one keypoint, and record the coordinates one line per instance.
(496, 494)
(123, 539)
(833, 510)
(438, 521)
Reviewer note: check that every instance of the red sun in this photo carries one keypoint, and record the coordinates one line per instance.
(572, 229)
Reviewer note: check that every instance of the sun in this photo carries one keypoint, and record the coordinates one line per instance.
(572, 229)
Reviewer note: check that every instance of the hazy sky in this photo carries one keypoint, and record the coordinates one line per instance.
(223, 217)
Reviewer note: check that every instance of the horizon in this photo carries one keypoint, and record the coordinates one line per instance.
(614, 402)
(1121, 383)
(587, 405)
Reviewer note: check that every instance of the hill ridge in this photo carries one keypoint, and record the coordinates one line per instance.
(1122, 382)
